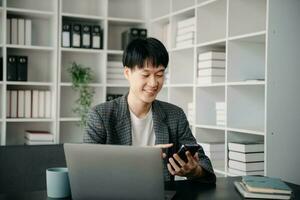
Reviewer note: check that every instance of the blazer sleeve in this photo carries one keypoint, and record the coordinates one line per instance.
(186, 137)
(95, 130)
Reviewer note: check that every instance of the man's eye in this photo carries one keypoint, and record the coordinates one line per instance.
(160, 75)
(145, 75)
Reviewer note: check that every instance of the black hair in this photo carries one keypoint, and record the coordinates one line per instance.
(139, 51)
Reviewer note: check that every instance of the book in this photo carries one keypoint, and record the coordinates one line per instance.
(8, 104)
(96, 37)
(246, 194)
(66, 35)
(21, 104)
(27, 104)
(186, 36)
(210, 79)
(38, 135)
(86, 36)
(47, 104)
(21, 31)
(76, 36)
(252, 166)
(212, 146)
(185, 43)
(211, 64)
(35, 104)
(244, 173)
(11, 68)
(246, 147)
(263, 184)
(22, 68)
(128, 36)
(246, 157)
(212, 55)
(14, 31)
(31, 142)
(41, 107)
(28, 27)
(14, 104)
(186, 22)
(187, 29)
(211, 72)
(8, 31)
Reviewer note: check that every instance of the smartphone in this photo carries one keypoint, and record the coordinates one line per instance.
(192, 148)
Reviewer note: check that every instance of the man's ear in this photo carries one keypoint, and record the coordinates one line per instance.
(126, 72)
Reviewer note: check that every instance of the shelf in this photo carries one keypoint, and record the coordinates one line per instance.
(211, 85)
(160, 19)
(70, 119)
(115, 52)
(211, 127)
(79, 7)
(179, 12)
(180, 85)
(120, 21)
(181, 48)
(32, 47)
(249, 131)
(30, 13)
(220, 171)
(82, 16)
(216, 43)
(117, 85)
(29, 83)
(246, 83)
(258, 37)
(81, 50)
(29, 120)
(91, 84)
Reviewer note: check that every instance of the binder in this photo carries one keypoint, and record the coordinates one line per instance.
(21, 104)
(128, 36)
(28, 26)
(14, 31)
(66, 35)
(143, 33)
(22, 66)
(96, 37)
(76, 35)
(1, 69)
(86, 36)
(11, 68)
(21, 31)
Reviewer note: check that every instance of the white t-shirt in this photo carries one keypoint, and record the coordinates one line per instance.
(142, 130)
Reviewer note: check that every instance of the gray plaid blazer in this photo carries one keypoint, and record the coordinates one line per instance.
(110, 123)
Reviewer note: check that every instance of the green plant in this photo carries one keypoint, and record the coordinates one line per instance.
(81, 77)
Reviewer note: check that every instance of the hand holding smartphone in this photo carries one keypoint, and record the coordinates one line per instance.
(192, 148)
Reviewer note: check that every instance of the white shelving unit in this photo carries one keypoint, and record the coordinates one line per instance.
(258, 45)
(241, 28)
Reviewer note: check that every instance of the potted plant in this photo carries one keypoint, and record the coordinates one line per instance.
(81, 77)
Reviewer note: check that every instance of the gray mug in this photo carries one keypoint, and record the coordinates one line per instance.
(58, 185)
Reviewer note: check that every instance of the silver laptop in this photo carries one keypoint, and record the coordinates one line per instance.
(114, 172)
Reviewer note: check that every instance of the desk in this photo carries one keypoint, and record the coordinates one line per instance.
(224, 189)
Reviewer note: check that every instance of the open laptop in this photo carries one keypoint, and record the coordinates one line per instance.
(115, 172)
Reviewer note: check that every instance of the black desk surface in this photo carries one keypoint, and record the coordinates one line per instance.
(224, 189)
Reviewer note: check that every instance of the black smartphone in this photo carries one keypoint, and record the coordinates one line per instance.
(192, 148)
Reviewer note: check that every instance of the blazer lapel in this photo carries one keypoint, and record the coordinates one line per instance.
(123, 124)
(160, 127)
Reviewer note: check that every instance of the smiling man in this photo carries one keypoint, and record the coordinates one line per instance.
(138, 119)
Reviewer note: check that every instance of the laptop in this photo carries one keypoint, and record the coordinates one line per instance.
(115, 172)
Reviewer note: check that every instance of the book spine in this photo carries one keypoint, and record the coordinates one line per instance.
(41, 109)
(14, 31)
(14, 103)
(22, 66)
(8, 31)
(66, 35)
(21, 103)
(11, 68)
(48, 104)
(27, 103)
(8, 104)
(35, 104)
(28, 27)
(21, 33)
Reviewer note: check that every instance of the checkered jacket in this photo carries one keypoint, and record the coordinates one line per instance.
(110, 123)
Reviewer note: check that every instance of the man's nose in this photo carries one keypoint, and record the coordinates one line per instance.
(153, 82)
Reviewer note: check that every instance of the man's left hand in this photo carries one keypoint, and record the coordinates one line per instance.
(188, 169)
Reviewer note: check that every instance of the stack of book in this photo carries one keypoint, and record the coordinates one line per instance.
(246, 158)
(220, 114)
(115, 72)
(216, 153)
(28, 104)
(38, 137)
(211, 67)
(18, 31)
(185, 32)
(261, 187)
(190, 113)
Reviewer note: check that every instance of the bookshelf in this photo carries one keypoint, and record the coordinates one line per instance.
(242, 29)
(248, 31)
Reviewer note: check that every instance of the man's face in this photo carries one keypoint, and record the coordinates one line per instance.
(145, 83)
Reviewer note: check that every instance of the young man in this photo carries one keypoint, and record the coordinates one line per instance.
(138, 119)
